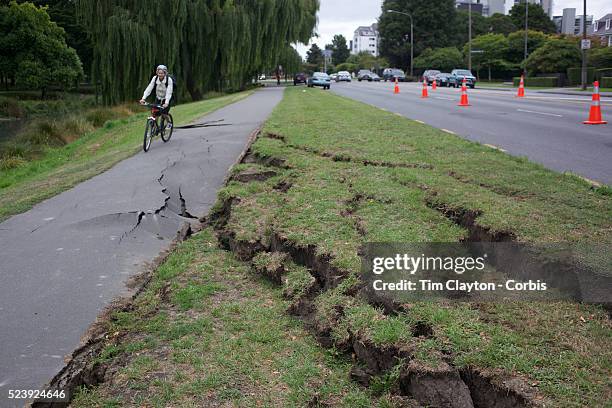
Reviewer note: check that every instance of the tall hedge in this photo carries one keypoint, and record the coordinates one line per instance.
(207, 44)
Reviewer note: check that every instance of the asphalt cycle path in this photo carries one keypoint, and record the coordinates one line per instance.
(545, 128)
(62, 262)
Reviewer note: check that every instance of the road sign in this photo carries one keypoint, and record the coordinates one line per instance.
(327, 53)
(585, 44)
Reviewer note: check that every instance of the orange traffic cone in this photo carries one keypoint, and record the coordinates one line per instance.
(464, 97)
(424, 92)
(521, 89)
(396, 89)
(434, 86)
(595, 113)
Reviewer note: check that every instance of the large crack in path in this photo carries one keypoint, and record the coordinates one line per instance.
(56, 280)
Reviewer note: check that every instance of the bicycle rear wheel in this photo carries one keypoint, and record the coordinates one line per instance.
(148, 134)
(167, 128)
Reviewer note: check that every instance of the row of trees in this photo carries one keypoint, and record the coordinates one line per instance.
(502, 55)
(445, 27)
(33, 49)
(207, 44)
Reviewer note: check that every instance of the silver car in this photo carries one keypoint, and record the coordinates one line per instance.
(344, 76)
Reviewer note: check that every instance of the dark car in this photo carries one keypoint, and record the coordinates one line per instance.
(299, 78)
(430, 75)
(443, 79)
(390, 74)
(457, 76)
(367, 75)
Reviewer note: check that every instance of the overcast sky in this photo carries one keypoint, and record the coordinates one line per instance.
(344, 16)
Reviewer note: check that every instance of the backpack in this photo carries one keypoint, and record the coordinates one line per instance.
(174, 99)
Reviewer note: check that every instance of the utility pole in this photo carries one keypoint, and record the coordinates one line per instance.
(526, 36)
(470, 36)
(411, 37)
(583, 49)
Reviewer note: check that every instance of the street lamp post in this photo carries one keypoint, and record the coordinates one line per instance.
(526, 36)
(470, 36)
(411, 37)
(583, 49)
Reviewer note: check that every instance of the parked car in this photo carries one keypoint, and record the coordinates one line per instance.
(390, 74)
(319, 79)
(443, 79)
(333, 76)
(457, 76)
(367, 75)
(430, 75)
(344, 76)
(299, 78)
(262, 77)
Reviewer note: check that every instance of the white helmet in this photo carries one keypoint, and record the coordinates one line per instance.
(163, 68)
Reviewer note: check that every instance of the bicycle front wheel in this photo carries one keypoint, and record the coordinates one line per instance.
(167, 128)
(148, 134)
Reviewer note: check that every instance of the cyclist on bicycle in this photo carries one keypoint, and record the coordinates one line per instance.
(164, 86)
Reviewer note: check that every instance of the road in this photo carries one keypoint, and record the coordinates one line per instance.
(68, 257)
(545, 128)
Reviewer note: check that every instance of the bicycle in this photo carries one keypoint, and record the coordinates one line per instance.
(153, 128)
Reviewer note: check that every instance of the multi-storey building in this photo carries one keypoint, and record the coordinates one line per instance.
(365, 39)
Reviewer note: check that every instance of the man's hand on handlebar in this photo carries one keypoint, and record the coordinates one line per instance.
(142, 101)
(165, 105)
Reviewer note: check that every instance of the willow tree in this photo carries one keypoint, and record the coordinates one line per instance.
(207, 44)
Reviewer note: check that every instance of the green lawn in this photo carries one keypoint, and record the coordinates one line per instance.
(62, 168)
(207, 332)
(346, 174)
(327, 175)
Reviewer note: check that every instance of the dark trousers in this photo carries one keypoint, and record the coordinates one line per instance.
(161, 102)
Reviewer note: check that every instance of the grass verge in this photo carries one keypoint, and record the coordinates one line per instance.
(207, 332)
(335, 173)
(61, 168)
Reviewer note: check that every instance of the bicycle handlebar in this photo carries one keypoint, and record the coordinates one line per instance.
(151, 105)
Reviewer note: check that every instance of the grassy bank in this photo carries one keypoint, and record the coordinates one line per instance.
(60, 168)
(327, 175)
(208, 333)
(344, 174)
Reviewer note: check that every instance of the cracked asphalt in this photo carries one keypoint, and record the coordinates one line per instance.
(63, 261)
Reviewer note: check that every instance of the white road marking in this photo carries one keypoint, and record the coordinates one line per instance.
(540, 113)
(494, 147)
(448, 131)
(445, 99)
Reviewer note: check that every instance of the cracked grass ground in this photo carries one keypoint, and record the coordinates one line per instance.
(354, 174)
(207, 332)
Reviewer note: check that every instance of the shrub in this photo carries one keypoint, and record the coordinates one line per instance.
(555, 56)
(604, 72)
(13, 149)
(99, 116)
(606, 82)
(444, 59)
(574, 76)
(600, 57)
(10, 162)
(73, 128)
(538, 81)
(11, 108)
